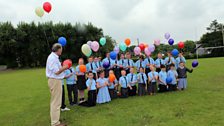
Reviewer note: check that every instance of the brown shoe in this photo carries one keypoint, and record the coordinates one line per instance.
(61, 124)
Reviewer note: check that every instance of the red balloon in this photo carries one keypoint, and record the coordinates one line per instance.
(47, 7)
(181, 45)
(142, 47)
(67, 62)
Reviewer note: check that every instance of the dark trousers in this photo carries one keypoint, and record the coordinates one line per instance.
(152, 88)
(63, 98)
(94, 76)
(106, 73)
(127, 71)
(172, 87)
(72, 89)
(91, 99)
(162, 88)
(113, 93)
(133, 91)
(124, 93)
(141, 89)
(117, 73)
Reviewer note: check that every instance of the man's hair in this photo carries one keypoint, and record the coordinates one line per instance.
(56, 47)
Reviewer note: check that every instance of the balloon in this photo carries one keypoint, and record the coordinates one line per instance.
(167, 36)
(157, 42)
(181, 45)
(67, 62)
(168, 80)
(89, 43)
(146, 45)
(123, 46)
(86, 50)
(113, 55)
(106, 64)
(195, 63)
(127, 41)
(137, 51)
(147, 51)
(95, 46)
(82, 68)
(116, 49)
(112, 78)
(39, 11)
(175, 52)
(171, 41)
(62, 41)
(142, 46)
(103, 41)
(47, 7)
(152, 48)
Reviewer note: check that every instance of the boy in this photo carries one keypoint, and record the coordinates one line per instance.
(152, 77)
(132, 80)
(169, 60)
(90, 66)
(112, 87)
(71, 86)
(123, 81)
(107, 59)
(116, 68)
(140, 64)
(182, 76)
(122, 62)
(162, 79)
(159, 61)
(148, 61)
(172, 73)
(179, 59)
(129, 63)
(142, 82)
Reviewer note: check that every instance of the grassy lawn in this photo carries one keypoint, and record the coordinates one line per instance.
(24, 100)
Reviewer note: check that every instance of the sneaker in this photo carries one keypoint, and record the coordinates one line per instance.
(65, 109)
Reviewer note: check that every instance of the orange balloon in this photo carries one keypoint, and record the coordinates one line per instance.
(146, 45)
(127, 41)
(82, 68)
(112, 78)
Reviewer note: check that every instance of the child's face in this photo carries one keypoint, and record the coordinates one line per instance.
(132, 70)
(141, 70)
(172, 68)
(91, 59)
(122, 56)
(128, 56)
(152, 68)
(111, 72)
(182, 64)
(99, 58)
(90, 75)
(102, 75)
(81, 61)
(163, 69)
(123, 73)
(95, 59)
(160, 56)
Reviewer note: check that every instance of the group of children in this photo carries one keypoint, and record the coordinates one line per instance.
(145, 76)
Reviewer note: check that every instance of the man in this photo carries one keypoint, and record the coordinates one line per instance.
(54, 73)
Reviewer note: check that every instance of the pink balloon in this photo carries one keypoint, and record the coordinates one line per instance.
(95, 46)
(152, 48)
(157, 42)
(117, 49)
(147, 51)
(137, 51)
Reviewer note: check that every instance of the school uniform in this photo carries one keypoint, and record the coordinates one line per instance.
(162, 85)
(116, 69)
(132, 80)
(63, 96)
(178, 60)
(103, 95)
(182, 76)
(72, 86)
(152, 87)
(147, 61)
(106, 70)
(158, 63)
(123, 81)
(142, 82)
(91, 67)
(139, 64)
(112, 90)
(98, 67)
(173, 85)
(123, 64)
(91, 83)
(129, 63)
(81, 79)
(168, 61)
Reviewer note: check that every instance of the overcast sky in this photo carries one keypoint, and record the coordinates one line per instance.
(143, 19)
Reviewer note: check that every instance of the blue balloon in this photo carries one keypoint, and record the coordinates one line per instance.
(168, 80)
(171, 41)
(106, 65)
(195, 63)
(175, 52)
(62, 41)
(113, 55)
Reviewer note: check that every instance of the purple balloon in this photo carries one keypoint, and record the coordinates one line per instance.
(167, 36)
(171, 41)
(195, 63)
(116, 49)
(152, 48)
(106, 64)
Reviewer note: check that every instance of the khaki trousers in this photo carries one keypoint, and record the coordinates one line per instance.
(55, 87)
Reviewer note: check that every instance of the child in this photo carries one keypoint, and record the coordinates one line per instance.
(162, 79)
(71, 86)
(63, 106)
(169, 60)
(152, 77)
(148, 61)
(182, 76)
(140, 64)
(107, 59)
(132, 80)
(172, 73)
(142, 81)
(116, 68)
(112, 86)
(129, 62)
(91, 67)
(91, 87)
(81, 81)
(159, 61)
(123, 81)
(97, 65)
(179, 59)
(103, 93)
(122, 62)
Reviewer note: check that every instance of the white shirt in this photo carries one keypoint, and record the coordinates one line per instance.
(53, 66)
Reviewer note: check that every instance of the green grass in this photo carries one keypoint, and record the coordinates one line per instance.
(24, 100)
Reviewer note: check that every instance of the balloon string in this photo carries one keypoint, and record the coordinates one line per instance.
(45, 36)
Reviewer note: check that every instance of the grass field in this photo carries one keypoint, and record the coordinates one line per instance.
(24, 100)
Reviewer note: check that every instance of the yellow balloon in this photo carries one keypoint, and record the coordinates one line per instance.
(86, 50)
(39, 11)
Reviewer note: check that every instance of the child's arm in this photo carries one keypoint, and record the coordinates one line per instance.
(130, 86)
(189, 70)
